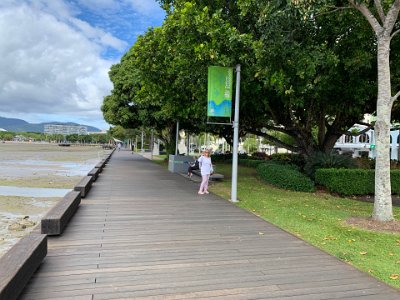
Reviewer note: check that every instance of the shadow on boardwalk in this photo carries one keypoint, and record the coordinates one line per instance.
(144, 233)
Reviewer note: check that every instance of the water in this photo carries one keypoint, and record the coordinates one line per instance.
(31, 172)
(32, 192)
(15, 168)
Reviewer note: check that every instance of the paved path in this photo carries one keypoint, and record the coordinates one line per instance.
(144, 233)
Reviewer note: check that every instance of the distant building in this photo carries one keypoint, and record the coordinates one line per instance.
(65, 129)
(365, 143)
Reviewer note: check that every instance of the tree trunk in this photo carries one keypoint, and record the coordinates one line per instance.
(383, 199)
(168, 137)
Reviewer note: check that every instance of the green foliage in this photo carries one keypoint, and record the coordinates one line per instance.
(285, 176)
(250, 144)
(259, 155)
(290, 158)
(250, 162)
(74, 138)
(364, 163)
(327, 160)
(305, 79)
(221, 157)
(6, 136)
(353, 181)
(225, 157)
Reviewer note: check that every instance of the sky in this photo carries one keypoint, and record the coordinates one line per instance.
(55, 55)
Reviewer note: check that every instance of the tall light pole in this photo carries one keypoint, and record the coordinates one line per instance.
(235, 138)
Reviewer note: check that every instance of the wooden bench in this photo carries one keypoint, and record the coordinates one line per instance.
(100, 165)
(94, 173)
(84, 186)
(55, 221)
(215, 176)
(19, 264)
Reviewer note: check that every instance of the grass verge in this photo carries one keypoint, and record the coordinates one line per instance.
(319, 219)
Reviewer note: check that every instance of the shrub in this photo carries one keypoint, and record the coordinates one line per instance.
(285, 176)
(260, 155)
(290, 158)
(364, 163)
(226, 157)
(252, 163)
(353, 181)
(322, 160)
(221, 157)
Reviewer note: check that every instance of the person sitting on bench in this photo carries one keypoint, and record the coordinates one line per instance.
(193, 166)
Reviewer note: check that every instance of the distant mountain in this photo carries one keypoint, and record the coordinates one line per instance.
(18, 125)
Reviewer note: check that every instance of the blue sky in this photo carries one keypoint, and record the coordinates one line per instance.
(55, 55)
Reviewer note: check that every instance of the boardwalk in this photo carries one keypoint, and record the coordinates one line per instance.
(144, 233)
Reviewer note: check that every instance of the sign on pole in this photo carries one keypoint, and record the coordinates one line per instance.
(219, 91)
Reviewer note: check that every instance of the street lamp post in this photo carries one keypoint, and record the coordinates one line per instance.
(235, 138)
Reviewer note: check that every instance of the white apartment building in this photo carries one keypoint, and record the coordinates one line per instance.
(65, 129)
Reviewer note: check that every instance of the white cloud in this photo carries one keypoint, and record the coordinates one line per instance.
(142, 7)
(98, 35)
(51, 63)
(146, 7)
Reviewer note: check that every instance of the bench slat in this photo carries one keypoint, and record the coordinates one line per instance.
(94, 173)
(84, 186)
(55, 221)
(19, 264)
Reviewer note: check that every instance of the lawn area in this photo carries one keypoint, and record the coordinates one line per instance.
(319, 219)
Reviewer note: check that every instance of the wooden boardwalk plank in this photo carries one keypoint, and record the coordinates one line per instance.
(144, 233)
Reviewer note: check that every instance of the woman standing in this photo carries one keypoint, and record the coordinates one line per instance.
(206, 169)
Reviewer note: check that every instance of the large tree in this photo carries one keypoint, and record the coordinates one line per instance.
(383, 18)
(298, 77)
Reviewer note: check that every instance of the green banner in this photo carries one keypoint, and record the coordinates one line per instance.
(219, 91)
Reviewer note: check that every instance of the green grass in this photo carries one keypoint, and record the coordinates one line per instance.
(319, 219)
(160, 157)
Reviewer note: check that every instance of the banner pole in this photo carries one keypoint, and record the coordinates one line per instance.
(142, 150)
(235, 138)
(177, 138)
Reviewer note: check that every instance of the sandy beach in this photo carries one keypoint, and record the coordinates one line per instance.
(30, 175)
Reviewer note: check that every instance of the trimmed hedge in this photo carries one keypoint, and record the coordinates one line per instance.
(285, 176)
(353, 181)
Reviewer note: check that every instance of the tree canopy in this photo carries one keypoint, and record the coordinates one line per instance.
(308, 70)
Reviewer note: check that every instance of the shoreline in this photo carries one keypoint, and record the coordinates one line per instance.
(43, 167)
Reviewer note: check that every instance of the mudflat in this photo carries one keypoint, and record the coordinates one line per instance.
(37, 165)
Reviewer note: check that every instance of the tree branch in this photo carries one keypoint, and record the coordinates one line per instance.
(275, 140)
(394, 98)
(391, 16)
(379, 8)
(359, 132)
(333, 11)
(274, 128)
(394, 33)
(365, 124)
(368, 15)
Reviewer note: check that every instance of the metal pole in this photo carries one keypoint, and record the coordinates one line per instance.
(177, 138)
(142, 150)
(235, 138)
(188, 144)
(152, 143)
